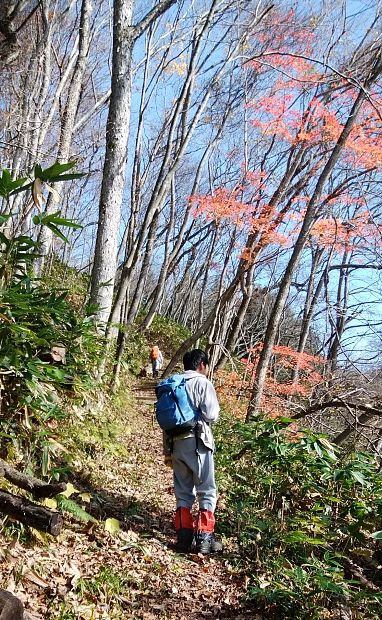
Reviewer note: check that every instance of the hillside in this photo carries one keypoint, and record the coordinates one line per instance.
(88, 573)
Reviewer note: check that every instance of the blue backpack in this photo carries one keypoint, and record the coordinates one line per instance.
(174, 411)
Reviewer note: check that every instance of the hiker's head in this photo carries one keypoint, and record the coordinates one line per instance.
(196, 360)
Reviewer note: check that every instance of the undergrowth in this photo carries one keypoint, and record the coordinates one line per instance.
(302, 513)
(93, 432)
(164, 332)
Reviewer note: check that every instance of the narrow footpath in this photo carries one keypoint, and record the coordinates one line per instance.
(89, 573)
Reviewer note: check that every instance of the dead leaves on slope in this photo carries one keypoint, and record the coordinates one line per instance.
(90, 573)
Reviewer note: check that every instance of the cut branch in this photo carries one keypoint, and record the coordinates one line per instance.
(37, 487)
(30, 514)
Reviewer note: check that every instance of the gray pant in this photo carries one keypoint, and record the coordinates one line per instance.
(194, 475)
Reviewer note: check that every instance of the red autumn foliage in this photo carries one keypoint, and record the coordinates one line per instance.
(306, 116)
(235, 388)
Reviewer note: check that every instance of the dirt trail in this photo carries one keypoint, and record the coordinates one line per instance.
(89, 573)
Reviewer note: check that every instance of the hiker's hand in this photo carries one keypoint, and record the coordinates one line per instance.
(168, 460)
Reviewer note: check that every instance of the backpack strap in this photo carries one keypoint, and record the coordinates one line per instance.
(195, 430)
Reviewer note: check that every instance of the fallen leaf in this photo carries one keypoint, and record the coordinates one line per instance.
(36, 579)
(50, 503)
(86, 497)
(112, 526)
(70, 489)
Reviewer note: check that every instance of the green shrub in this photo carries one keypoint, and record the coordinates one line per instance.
(35, 316)
(76, 283)
(164, 332)
(136, 352)
(302, 513)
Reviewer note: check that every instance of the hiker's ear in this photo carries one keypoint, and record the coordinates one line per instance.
(203, 368)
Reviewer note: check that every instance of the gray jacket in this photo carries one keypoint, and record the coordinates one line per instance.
(202, 395)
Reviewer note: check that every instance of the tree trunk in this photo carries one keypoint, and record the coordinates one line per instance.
(113, 176)
(114, 170)
(68, 121)
(233, 333)
(142, 278)
(339, 322)
(310, 304)
(180, 125)
(205, 326)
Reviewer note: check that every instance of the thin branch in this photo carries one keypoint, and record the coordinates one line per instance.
(150, 17)
(336, 403)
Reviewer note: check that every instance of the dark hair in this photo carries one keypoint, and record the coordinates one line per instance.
(193, 359)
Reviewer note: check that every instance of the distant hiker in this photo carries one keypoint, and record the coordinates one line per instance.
(156, 358)
(191, 444)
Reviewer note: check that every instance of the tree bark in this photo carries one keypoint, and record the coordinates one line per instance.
(137, 297)
(113, 176)
(311, 300)
(339, 321)
(178, 123)
(237, 323)
(30, 514)
(38, 488)
(68, 120)
(114, 170)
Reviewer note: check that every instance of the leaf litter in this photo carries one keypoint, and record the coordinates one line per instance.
(123, 565)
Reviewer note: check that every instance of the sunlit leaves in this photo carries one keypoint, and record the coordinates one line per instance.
(53, 220)
(7, 185)
(112, 526)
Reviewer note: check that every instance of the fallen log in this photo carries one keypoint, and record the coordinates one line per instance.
(37, 487)
(11, 608)
(23, 510)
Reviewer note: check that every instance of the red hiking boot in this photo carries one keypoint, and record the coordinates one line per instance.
(206, 542)
(184, 525)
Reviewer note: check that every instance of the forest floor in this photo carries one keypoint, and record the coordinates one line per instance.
(89, 573)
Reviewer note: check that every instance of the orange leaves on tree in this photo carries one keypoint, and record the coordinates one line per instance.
(341, 235)
(295, 108)
(261, 219)
(223, 204)
(287, 112)
(279, 114)
(364, 145)
(290, 357)
(232, 395)
(256, 179)
(235, 388)
(294, 66)
(278, 385)
(280, 34)
(265, 222)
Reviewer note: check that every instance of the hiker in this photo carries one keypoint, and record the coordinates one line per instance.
(156, 358)
(193, 461)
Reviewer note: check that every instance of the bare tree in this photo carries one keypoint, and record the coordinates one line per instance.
(117, 131)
